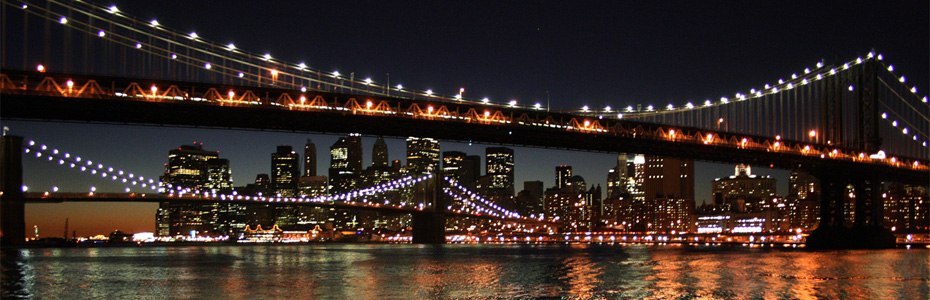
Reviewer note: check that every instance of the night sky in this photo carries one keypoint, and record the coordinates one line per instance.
(597, 53)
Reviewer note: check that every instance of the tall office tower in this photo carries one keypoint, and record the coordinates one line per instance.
(529, 200)
(744, 192)
(637, 186)
(452, 164)
(187, 168)
(618, 178)
(379, 153)
(500, 172)
(422, 155)
(471, 171)
(658, 183)
(219, 176)
(285, 171)
(562, 174)
(345, 163)
(668, 177)
(500, 167)
(228, 218)
(464, 169)
(309, 159)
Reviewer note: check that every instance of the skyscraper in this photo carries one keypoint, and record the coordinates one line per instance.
(500, 173)
(529, 200)
(345, 163)
(500, 167)
(309, 159)
(379, 154)
(422, 155)
(562, 174)
(187, 168)
(668, 177)
(219, 176)
(285, 170)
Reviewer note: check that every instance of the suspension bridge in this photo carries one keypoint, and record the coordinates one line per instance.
(853, 122)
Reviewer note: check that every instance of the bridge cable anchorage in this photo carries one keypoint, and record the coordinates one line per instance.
(63, 158)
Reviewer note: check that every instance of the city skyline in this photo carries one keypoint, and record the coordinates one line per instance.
(558, 54)
(247, 159)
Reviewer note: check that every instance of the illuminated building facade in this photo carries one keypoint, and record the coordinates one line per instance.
(563, 173)
(285, 171)
(743, 192)
(906, 208)
(462, 168)
(187, 170)
(345, 163)
(422, 155)
(498, 183)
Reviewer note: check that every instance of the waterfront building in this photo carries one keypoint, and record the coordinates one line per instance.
(744, 192)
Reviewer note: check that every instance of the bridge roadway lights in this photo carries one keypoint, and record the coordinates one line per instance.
(12, 202)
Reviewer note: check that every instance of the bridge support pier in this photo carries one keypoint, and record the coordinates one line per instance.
(867, 231)
(429, 225)
(12, 201)
(429, 228)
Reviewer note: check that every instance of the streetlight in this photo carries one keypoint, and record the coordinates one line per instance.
(813, 135)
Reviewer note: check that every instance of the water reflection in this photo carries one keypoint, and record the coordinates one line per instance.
(334, 271)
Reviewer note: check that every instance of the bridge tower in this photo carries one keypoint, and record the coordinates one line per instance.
(12, 202)
(429, 225)
(867, 230)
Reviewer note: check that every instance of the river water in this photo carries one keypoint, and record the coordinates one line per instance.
(390, 271)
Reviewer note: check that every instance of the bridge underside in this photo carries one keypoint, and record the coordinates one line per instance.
(188, 114)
